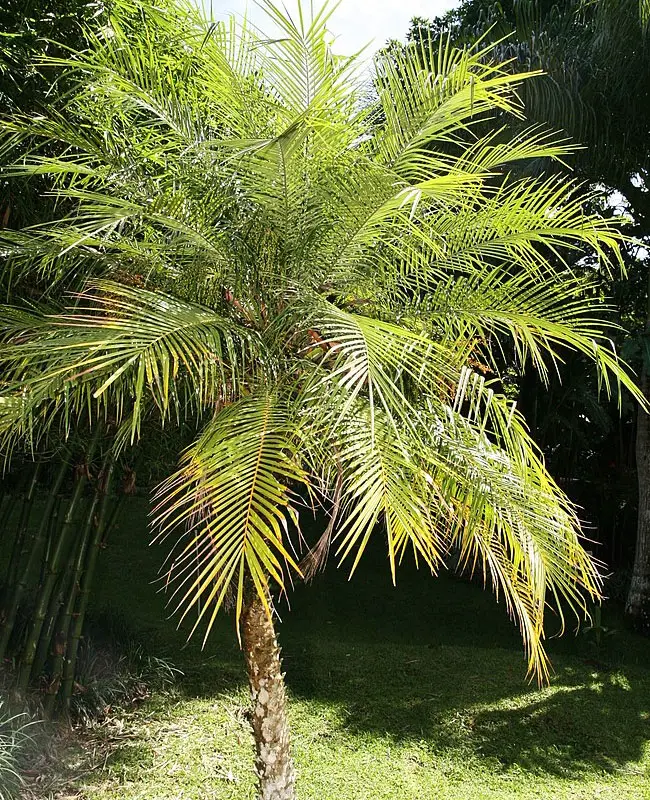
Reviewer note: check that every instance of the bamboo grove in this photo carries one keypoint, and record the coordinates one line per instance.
(59, 512)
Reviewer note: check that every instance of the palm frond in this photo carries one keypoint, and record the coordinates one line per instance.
(505, 515)
(300, 67)
(381, 361)
(120, 345)
(431, 94)
(232, 501)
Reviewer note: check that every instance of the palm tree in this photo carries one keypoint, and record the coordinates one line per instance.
(320, 278)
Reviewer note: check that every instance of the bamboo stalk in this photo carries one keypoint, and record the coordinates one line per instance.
(59, 594)
(7, 584)
(54, 568)
(5, 509)
(52, 530)
(3, 496)
(61, 643)
(32, 562)
(14, 500)
(79, 615)
(15, 549)
(49, 626)
(23, 525)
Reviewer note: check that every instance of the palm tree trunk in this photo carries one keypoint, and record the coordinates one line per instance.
(274, 765)
(638, 599)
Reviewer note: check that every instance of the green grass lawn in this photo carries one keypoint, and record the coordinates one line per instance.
(407, 693)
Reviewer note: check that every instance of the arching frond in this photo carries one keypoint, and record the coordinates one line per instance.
(119, 346)
(431, 94)
(506, 516)
(540, 318)
(382, 484)
(232, 501)
(463, 479)
(383, 362)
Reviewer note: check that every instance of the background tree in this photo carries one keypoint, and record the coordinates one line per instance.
(316, 288)
(30, 32)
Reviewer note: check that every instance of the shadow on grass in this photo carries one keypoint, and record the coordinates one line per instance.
(599, 727)
(438, 661)
(476, 704)
(434, 661)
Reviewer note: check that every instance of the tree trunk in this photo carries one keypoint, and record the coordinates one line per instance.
(638, 599)
(273, 761)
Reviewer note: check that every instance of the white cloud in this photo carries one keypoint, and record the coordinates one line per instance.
(355, 23)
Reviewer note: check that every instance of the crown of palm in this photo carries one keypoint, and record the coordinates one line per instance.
(310, 273)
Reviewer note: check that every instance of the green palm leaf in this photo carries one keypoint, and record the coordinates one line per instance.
(233, 496)
(120, 345)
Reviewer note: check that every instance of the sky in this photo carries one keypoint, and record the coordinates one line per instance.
(355, 23)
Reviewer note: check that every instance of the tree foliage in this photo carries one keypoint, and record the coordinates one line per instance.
(318, 283)
(596, 60)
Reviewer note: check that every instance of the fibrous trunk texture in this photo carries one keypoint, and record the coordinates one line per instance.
(273, 762)
(638, 599)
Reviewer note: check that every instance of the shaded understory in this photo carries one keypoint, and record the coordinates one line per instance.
(413, 692)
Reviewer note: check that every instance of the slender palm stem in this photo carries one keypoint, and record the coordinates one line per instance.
(274, 764)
